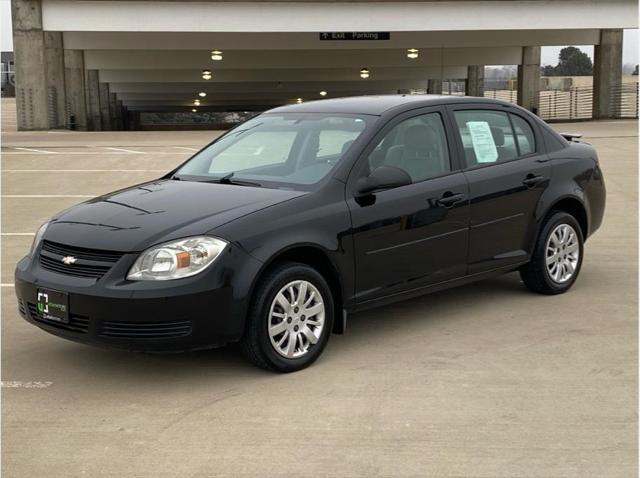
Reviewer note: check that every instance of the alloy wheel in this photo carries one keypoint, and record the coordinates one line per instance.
(296, 319)
(562, 253)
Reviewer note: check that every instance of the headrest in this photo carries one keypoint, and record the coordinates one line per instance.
(418, 136)
(498, 136)
(346, 146)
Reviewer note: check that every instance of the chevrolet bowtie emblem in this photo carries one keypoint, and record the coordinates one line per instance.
(68, 260)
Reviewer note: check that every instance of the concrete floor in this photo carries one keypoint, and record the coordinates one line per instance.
(486, 380)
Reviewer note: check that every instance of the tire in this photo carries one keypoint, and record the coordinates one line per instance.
(552, 279)
(274, 352)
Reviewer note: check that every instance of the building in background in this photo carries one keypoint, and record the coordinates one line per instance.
(114, 65)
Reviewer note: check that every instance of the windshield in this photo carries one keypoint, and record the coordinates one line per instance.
(277, 150)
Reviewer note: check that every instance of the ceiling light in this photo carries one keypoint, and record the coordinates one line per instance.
(323, 93)
(412, 53)
(206, 74)
(216, 55)
(299, 100)
(364, 73)
(196, 102)
(202, 94)
(193, 110)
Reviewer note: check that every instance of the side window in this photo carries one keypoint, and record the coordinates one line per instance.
(486, 135)
(418, 145)
(524, 135)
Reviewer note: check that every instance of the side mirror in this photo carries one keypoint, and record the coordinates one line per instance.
(381, 178)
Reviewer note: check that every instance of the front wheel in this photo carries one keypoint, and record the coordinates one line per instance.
(290, 319)
(557, 257)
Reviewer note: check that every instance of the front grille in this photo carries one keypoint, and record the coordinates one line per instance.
(157, 330)
(77, 323)
(79, 270)
(21, 308)
(81, 252)
(89, 263)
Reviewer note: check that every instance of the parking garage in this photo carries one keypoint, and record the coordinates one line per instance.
(121, 65)
(483, 380)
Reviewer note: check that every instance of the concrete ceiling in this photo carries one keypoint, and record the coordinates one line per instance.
(152, 53)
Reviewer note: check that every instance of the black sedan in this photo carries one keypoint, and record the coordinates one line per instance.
(275, 232)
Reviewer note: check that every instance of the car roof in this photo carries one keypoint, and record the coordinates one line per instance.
(378, 105)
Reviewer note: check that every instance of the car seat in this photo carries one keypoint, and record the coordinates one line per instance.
(420, 154)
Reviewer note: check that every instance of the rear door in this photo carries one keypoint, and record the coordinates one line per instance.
(415, 235)
(507, 171)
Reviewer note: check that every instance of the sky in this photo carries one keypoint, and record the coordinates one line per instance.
(549, 53)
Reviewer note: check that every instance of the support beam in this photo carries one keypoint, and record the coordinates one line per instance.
(94, 118)
(28, 46)
(607, 74)
(75, 89)
(475, 80)
(105, 115)
(54, 78)
(119, 115)
(434, 87)
(529, 78)
(112, 111)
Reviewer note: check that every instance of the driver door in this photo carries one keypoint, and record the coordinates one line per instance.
(413, 236)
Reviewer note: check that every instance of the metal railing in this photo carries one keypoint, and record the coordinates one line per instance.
(576, 103)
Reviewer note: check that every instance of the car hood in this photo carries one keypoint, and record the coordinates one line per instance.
(135, 218)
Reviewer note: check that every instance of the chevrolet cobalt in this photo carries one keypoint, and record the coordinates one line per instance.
(276, 231)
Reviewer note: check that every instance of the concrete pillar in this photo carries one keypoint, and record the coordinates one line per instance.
(120, 115)
(607, 74)
(475, 81)
(75, 89)
(54, 77)
(92, 84)
(134, 120)
(529, 78)
(112, 111)
(28, 48)
(434, 86)
(105, 116)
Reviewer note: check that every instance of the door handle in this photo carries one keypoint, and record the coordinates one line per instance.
(449, 199)
(532, 179)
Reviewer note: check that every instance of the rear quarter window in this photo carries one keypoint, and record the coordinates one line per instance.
(524, 135)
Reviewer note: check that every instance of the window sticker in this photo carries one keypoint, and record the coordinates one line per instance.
(483, 144)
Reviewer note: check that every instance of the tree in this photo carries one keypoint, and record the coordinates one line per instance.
(635, 71)
(571, 62)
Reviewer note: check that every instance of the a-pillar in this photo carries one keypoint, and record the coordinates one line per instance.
(92, 83)
(475, 80)
(607, 74)
(529, 78)
(105, 116)
(75, 89)
(434, 86)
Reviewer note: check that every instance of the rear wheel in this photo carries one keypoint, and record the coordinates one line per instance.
(557, 257)
(290, 320)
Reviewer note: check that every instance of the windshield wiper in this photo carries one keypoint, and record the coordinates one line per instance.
(238, 182)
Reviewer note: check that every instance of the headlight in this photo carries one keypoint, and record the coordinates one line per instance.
(38, 238)
(177, 259)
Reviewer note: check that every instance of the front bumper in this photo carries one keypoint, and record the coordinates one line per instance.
(169, 316)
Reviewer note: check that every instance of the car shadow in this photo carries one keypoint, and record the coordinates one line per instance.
(363, 329)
